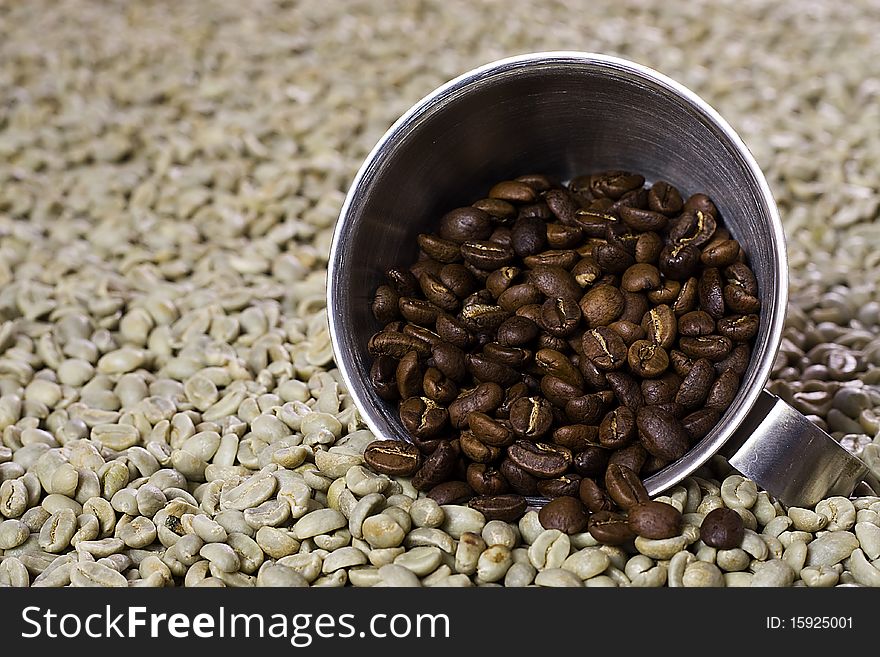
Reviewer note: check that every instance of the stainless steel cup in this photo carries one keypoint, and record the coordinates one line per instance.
(566, 113)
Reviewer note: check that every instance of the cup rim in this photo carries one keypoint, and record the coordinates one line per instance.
(446, 93)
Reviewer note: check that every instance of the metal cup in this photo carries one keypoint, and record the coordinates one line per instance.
(567, 113)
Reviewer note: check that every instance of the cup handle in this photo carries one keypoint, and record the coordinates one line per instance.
(790, 457)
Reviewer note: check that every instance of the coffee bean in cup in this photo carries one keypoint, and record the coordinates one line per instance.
(563, 340)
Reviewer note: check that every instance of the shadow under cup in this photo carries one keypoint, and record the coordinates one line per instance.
(562, 114)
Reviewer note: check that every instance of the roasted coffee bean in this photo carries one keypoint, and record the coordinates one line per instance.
(664, 198)
(464, 224)
(739, 328)
(588, 409)
(655, 520)
(477, 451)
(560, 316)
(517, 331)
(450, 360)
(395, 458)
(614, 184)
(538, 181)
(679, 261)
(626, 389)
(562, 236)
(722, 528)
(667, 292)
(438, 294)
(593, 496)
(632, 457)
(737, 361)
(720, 254)
(640, 277)
(661, 434)
(404, 282)
(501, 279)
(385, 304)
(564, 258)
(586, 272)
(624, 486)
(542, 460)
(451, 492)
(613, 257)
(711, 293)
(520, 481)
(566, 513)
(396, 345)
(652, 465)
(647, 359)
(593, 376)
(723, 391)
(563, 205)
(531, 417)
(422, 417)
(497, 209)
(510, 356)
(643, 220)
(537, 210)
(486, 479)
(486, 255)
(528, 236)
(648, 247)
(610, 528)
(409, 376)
(422, 333)
(680, 362)
(484, 369)
(695, 384)
(628, 331)
(739, 275)
(696, 323)
(559, 391)
(506, 508)
(425, 265)
(713, 347)
(635, 198)
(439, 249)
(700, 422)
(482, 317)
(661, 390)
(660, 326)
(489, 430)
(553, 281)
(418, 311)
(618, 428)
(437, 467)
(700, 202)
(502, 235)
(738, 300)
(567, 484)
(553, 362)
(513, 191)
(485, 398)
(605, 348)
(591, 462)
(686, 300)
(439, 387)
(601, 305)
(453, 331)
(635, 306)
(383, 377)
(576, 437)
(517, 296)
(694, 228)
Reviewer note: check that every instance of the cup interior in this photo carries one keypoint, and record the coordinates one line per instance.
(563, 114)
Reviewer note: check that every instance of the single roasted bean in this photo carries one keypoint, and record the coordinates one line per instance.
(722, 528)
(507, 507)
(566, 514)
(654, 520)
(540, 459)
(624, 486)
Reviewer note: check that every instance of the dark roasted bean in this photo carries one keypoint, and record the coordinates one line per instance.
(660, 326)
(601, 305)
(439, 387)
(513, 191)
(700, 422)
(422, 417)
(528, 236)
(723, 391)
(404, 282)
(640, 277)
(713, 347)
(576, 437)
(485, 398)
(613, 257)
(661, 434)
(700, 202)
(605, 348)
(520, 481)
(463, 224)
(739, 328)
(632, 457)
(647, 359)
(438, 294)
(655, 520)
(451, 492)
(442, 250)
(722, 528)
(695, 384)
(562, 236)
(489, 430)
(554, 281)
(418, 311)
(486, 479)
(624, 486)
(531, 417)
(626, 389)
(679, 261)
(693, 227)
(737, 361)
(610, 528)
(497, 209)
(507, 508)
(477, 451)
(385, 304)
(662, 389)
(686, 300)
(618, 428)
(566, 513)
(542, 460)
(396, 345)
(409, 376)
(720, 254)
(393, 457)
(559, 391)
(696, 323)
(643, 220)
(663, 197)
(437, 467)
(711, 293)
(383, 377)
(567, 484)
(484, 369)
